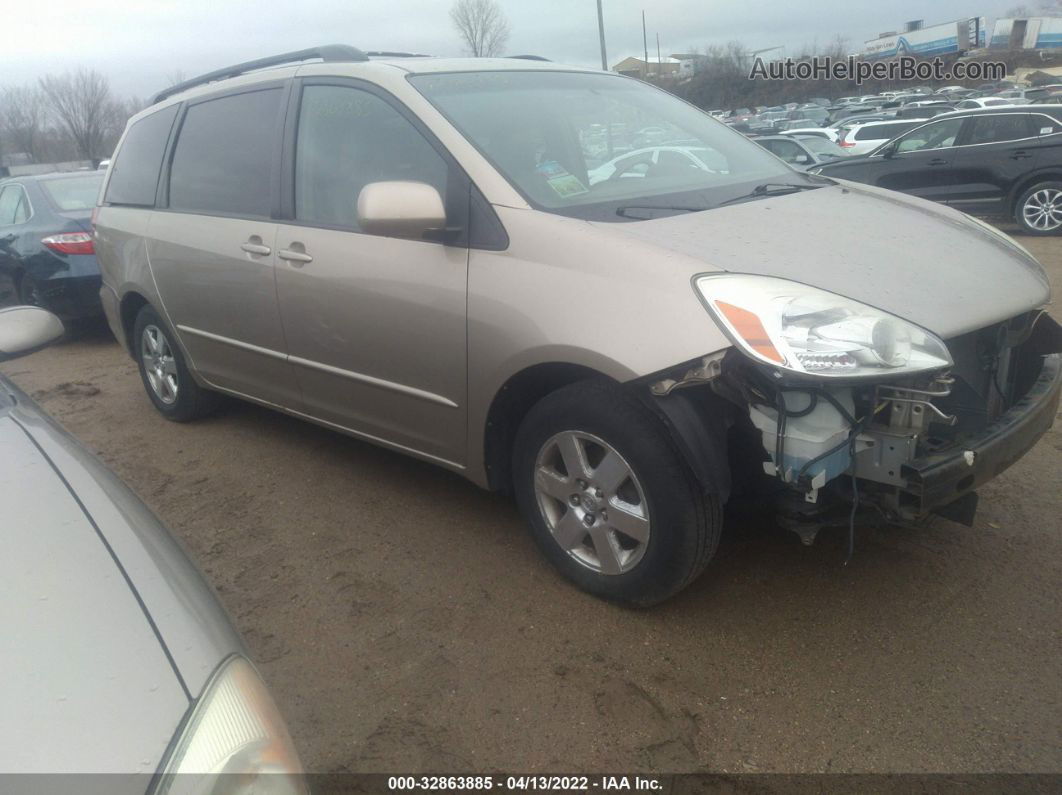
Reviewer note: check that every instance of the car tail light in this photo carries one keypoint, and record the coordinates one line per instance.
(70, 243)
(95, 217)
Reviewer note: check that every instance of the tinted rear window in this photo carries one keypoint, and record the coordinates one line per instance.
(135, 172)
(74, 193)
(224, 155)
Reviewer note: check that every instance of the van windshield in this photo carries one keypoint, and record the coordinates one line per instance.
(588, 145)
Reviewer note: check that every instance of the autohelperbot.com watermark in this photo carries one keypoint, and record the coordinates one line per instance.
(852, 68)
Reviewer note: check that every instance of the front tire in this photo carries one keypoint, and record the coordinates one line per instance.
(164, 373)
(1039, 209)
(610, 501)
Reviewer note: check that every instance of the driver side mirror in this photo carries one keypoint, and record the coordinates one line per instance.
(25, 329)
(889, 151)
(401, 209)
(802, 160)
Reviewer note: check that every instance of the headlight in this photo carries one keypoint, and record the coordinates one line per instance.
(234, 742)
(810, 331)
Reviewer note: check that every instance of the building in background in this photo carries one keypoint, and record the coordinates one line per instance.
(666, 67)
(947, 38)
(1028, 33)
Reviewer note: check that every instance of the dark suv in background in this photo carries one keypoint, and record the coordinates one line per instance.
(1003, 161)
(47, 254)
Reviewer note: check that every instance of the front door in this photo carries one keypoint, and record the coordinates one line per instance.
(375, 325)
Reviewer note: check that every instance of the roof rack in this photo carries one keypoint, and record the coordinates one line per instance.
(529, 57)
(328, 52)
(389, 54)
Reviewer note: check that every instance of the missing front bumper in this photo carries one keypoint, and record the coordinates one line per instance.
(943, 477)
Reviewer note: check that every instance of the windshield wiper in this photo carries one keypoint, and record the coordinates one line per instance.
(769, 189)
(622, 211)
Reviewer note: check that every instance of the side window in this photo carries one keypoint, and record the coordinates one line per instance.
(348, 138)
(224, 155)
(14, 209)
(997, 129)
(787, 150)
(135, 172)
(937, 135)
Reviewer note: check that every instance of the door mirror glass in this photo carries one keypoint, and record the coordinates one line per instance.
(802, 160)
(25, 329)
(400, 209)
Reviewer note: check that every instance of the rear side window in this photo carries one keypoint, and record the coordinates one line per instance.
(14, 209)
(135, 172)
(997, 129)
(224, 155)
(74, 193)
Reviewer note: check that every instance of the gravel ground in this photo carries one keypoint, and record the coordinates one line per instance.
(406, 623)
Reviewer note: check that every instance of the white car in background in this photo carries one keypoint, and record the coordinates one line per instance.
(984, 102)
(860, 139)
(642, 162)
(829, 133)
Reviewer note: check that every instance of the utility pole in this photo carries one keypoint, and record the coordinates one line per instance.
(645, 44)
(601, 34)
(658, 69)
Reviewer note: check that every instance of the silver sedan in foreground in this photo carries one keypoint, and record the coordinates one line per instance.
(116, 656)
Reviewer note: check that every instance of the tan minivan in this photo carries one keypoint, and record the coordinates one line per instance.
(574, 287)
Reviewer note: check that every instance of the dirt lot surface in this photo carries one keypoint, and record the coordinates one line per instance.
(406, 622)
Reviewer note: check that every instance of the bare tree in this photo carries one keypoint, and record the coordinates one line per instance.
(482, 25)
(175, 76)
(82, 104)
(1043, 8)
(23, 117)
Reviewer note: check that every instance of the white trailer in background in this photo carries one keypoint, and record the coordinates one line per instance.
(962, 35)
(1028, 33)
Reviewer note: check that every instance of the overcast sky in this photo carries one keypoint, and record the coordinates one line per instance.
(136, 43)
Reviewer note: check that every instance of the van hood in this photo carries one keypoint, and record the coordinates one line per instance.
(924, 262)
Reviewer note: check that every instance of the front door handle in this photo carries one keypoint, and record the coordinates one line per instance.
(1020, 156)
(297, 258)
(937, 161)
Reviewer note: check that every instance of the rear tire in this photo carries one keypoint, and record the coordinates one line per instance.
(610, 501)
(167, 381)
(1039, 209)
(29, 291)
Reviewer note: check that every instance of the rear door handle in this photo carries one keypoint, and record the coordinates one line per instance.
(1020, 156)
(937, 161)
(299, 257)
(255, 248)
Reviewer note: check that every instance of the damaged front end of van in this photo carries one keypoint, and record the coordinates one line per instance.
(858, 410)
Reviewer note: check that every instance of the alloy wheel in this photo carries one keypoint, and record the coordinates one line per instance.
(159, 364)
(592, 502)
(1043, 210)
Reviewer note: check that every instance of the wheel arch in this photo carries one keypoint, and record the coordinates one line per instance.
(130, 305)
(510, 405)
(1047, 175)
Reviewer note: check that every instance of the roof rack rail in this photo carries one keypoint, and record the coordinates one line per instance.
(328, 52)
(390, 54)
(528, 57)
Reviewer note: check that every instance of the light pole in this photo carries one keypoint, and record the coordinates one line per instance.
(601, 35)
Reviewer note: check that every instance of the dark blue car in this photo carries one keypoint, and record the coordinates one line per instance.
(47, 257)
